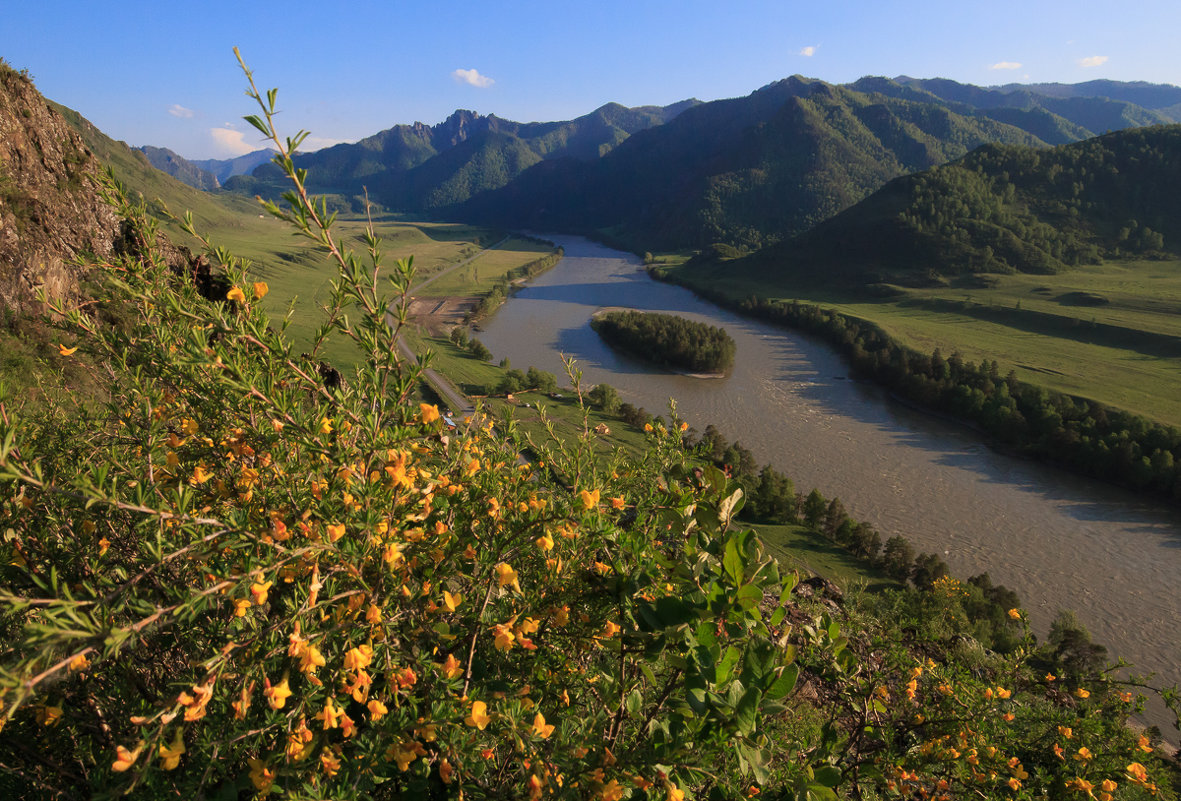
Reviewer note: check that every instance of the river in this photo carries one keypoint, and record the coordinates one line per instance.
(1060, 541)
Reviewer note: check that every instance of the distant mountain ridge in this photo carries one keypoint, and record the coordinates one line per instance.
(180, 168)
(748, 171)
(421, 167)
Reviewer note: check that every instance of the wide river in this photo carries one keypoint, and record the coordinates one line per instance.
(1060, 541)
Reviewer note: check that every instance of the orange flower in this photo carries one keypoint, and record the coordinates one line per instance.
(451, 602)
(429, 412)
(124, 759)
(330, 762)
(617, 502)
(170, 754)
(260, 775)
(451, 667)
(64, 351)
(589, 499)
(541, 728)
(1015, 614)
(277, 695)
(329, 716)
(335, 531)
(236, 294)
(478, 717)
(259, 592)
(377, 709)
(260, 289)
(507, 576)
(504, 637)
(1081, 693)
(545, 542)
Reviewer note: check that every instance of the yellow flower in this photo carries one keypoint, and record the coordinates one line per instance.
(1066, 731)
(260, 289)
(1084, 754)
(260, 775)
(478, 717)
(79, 662)
(617, 502)
(170, 754)
(311, 659)
(49, 715)
(277, 695)
(376, 709)
(545, 542)
(335, 531)
(236, 294)
(201, 474)
(1137, 773)
(429, 412)
(124, 759)
(1003, 693)
(504, 637)
(330, 762)
(451, 602)
(329, 716)
(1015, 614)
(507, 576)
(541, 728)
(589, 499)
(1144, 744)
(451, 667)
(1081, 693)
(609, 630)
(259, 592)
(240, 607)
(66, 351)
(675, 793)
(325, 426)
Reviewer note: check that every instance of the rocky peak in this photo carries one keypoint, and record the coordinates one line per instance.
(458, 127)
(50, 211)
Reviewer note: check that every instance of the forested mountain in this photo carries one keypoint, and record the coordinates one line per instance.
(748, 171)
(180, 168)
(1000, 209)
(420, 167)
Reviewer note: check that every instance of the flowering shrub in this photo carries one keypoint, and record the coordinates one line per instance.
(233, 579)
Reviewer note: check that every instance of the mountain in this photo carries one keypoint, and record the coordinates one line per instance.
(420, 167)
(180, 168)
(224, 169)
(1096, 106)
(1000, 209)
(748, 171)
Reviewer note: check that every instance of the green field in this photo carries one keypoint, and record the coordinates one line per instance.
(1111, 333)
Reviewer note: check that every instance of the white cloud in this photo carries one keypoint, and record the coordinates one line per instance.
(177, 110)
(1006, 65)
(473, 78)
(231, 143)
(1092, 61)
(317, 142)
(808, 51)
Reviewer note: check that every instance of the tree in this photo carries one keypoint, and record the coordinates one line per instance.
(605, 398)
(898, 557)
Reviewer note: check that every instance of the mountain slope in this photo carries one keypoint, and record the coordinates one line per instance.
(180, 168)
(420, 167)
(750, 170)
(1000, 209)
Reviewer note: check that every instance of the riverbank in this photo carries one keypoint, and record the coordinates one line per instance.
(1034, 529)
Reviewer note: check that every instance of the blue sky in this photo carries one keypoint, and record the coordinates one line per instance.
(163, 73)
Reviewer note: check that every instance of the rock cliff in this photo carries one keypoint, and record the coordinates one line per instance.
(50, 210)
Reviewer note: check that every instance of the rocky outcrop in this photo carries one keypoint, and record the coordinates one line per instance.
(51, 215)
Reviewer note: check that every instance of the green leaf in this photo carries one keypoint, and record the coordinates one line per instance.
(785, 683)
(726, 664)
(729, 507)
(828, 776)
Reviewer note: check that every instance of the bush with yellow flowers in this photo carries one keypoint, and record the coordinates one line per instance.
(232, 580)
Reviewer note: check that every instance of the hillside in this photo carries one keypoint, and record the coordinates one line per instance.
(998, 210)
(180, 168)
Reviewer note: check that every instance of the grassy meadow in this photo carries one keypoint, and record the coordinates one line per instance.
(1109, 332)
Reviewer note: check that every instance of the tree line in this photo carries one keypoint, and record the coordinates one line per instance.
(1078, 434)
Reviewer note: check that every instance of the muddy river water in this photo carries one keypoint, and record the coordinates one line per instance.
(1060, 541)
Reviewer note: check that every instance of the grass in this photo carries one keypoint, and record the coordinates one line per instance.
(1053, 331)
(797, 546)
(479, 276)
